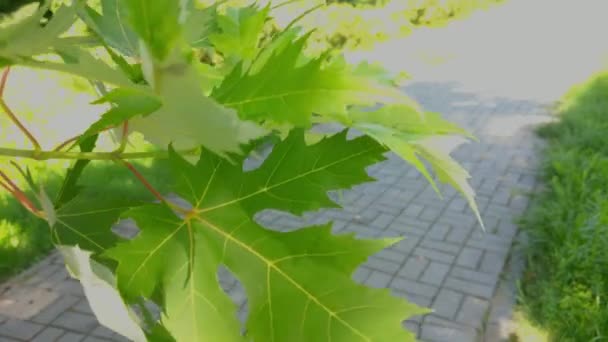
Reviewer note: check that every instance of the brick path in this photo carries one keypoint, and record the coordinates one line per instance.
(446, 262)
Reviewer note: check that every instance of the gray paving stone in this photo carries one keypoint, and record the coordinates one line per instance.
(76, 322)
(492, 243)
(473, 311)
(393, 255)
(419, 300)
(434, 255)
(383, 265)
(435, 273)
(51, 312)
(474, 289)
(492, 262)
(382, 221)
(361, 274)
(407, 245)
(469, 257)
(48, 335)
(447, 303)
(378, 279)
(103, 332)
(70, 287)
(436, 333)
(414, 327)
(413, 210)
(429, 213)
(19, 329)
(474, 276)
(438, 231)
(507, 229)
(83, 307)
(441, 246)
(458, 235)
(414, 287)
(413, 267)
(71, 337)
(95, 339)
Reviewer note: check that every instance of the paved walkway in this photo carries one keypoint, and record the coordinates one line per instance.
(446, 262)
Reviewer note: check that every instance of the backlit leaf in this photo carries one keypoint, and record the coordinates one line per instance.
(189, 119)
(289, 88)
(157, 24)
(88, 223)
(112, 25)
(240, 31)
(80, 62)
(415, 137)
(28, 38)
(281, 276)
(126, 104)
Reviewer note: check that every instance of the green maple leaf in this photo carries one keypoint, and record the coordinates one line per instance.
(188, 119)
(156, 23)
(89, 226)
(28, 38)
(240, 31)
(415, 137)
(298, 284)
(111, 24)
(288, 88)
(126, 104)
(70, 188)
(81, 63)
(200, 24)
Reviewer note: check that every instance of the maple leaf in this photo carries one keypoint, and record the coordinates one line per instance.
(111, 24)
(28, 38)
(188, 119)
(281, 276)
(240, 31)
(289, 88)
(77, 223)
(414, 136)
(200, 24)
(126, 103)
(157, 23)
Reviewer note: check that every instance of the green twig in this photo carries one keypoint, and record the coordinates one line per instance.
(12, 115)
(49, 155)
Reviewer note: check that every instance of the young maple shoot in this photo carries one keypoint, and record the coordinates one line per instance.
(207, 118)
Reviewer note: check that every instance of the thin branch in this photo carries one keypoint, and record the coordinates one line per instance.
(8, 181)
(123, 138)
(301, 16)
(3, 80)
(144, 181)
(19, 195)
(6, 186)
(66, 143)
(62, 155)
(12, 115)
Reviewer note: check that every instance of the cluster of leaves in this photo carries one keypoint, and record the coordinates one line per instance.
(144, 58)
(565, 285)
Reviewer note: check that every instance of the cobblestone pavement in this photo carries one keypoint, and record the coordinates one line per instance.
(445, 262)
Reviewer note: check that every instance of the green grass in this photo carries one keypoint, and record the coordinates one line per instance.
(565, 288)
